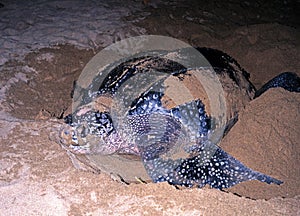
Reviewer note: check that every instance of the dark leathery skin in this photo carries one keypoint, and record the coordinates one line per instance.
(204, 163)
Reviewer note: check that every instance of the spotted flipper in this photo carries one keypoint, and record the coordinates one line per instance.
(203, 163)
(211, 166)
(288, 80)
(219, 171)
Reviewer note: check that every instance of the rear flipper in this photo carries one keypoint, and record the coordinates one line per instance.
(219, 171)
(288, 80)
(224, 171)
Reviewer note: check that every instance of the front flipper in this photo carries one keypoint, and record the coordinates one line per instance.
(172, 151)
(219, 171)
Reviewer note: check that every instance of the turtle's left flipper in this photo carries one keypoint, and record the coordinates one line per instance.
(287, 80)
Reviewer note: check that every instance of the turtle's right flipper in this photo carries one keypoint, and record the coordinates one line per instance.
(220, 170)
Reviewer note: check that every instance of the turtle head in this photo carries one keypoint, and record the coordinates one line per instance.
(86, 127)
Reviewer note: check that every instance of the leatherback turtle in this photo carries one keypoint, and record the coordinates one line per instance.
(155, 126)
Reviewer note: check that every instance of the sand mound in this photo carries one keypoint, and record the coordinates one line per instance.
(266, 138)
